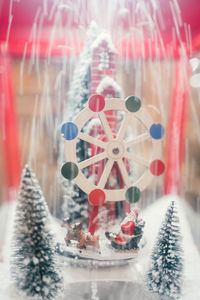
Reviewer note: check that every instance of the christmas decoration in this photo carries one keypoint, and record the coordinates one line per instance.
(130, 234)
(33, 265)
(76, 233)
(166, 270)
(115, 149)
(81, 248)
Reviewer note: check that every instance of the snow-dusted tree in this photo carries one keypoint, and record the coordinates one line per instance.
(75, 202)
(80, 85)
(166, 269)
(33, 265)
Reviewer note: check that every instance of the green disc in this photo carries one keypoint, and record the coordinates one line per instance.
(132, 194)
(69, 170)
(133, 103)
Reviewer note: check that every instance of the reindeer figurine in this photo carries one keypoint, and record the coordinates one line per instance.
(76, 233)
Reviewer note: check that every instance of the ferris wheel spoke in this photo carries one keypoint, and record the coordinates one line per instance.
(106, 173)
(106, 126)
(138, 139)
(124, 126)
(94, 159)
(92, 140)
(124, 172)
(137, 159)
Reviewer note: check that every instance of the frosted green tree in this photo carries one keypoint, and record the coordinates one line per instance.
(33, 264)
(80, 86)
(166, 270)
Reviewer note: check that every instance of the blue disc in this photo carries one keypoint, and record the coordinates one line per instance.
(157, 131)
(69, 130)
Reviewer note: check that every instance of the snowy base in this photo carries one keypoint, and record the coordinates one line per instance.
(93, 257)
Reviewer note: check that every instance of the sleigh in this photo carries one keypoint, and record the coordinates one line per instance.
(130, 234)
(130, 243)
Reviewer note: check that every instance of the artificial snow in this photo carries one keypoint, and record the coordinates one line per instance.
(26, 261)
(104, 37)
(129, 273)
(107, 82)
(35, 260)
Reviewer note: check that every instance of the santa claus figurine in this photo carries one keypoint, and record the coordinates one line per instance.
(132, 224)
(130, 232)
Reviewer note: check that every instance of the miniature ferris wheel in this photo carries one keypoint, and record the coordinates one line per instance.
(114, 149)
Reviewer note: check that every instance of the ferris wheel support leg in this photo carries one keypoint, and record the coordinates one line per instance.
(93, 219)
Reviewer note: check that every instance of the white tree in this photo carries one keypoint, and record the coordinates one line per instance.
(33, 264)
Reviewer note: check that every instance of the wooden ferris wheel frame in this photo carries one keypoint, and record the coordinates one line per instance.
(115, 149)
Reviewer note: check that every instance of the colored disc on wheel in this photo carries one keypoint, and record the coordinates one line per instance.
(132, 194)
(133, 103)
(157, 167)
(69, 170)
(157, 131)
(96, 103)
(97, 197)
(69, 130)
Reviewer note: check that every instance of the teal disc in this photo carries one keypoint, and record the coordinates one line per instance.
(69, 170)
(132, 194)
(133, 103)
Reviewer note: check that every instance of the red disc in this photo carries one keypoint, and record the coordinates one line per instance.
(157, 167)
(96, 103)
(97, 197)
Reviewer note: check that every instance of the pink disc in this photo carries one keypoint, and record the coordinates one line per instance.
(96, 103)
(157, 167)
(97, 197)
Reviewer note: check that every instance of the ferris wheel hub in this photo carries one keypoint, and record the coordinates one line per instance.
(115, 150)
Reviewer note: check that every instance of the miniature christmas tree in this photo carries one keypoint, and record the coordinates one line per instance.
(74, 207)
(33, 265)
(166, 270)
(75, 204)
(80, 85)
